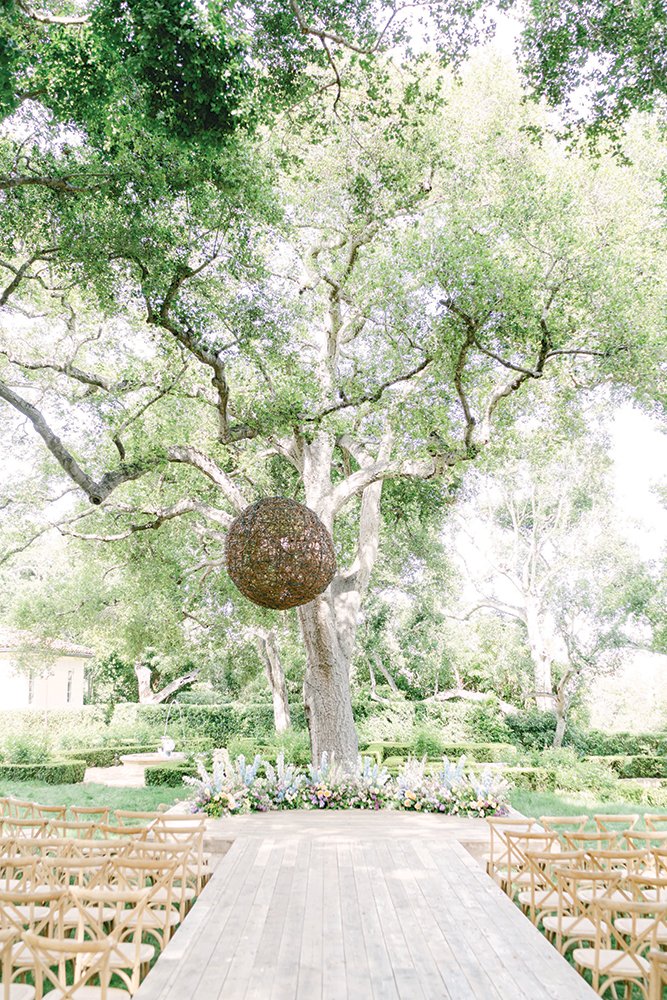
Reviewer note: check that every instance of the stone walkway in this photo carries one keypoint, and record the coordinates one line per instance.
(124, 776)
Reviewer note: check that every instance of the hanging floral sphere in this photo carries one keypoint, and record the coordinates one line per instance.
(279, 554)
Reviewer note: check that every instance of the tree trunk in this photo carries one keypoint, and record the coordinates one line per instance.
(144, 674)
(149, 697)
(268, 647)
(560, 726)
(326, 686)
(540, 655)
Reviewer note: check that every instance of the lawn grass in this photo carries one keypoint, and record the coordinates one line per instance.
(538, 804)
(139, 799)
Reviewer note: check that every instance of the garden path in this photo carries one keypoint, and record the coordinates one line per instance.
(355, 906)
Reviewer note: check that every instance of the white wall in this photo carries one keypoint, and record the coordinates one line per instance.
(50, 682)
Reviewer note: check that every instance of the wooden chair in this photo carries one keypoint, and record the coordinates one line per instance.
(613, 959)
(128, 959)
(190, 830)
(652, 819)
(182, 893)
(496, 859)
(71, 828)
(39, 912)
(657, 976)
(87, 814)
(559, 824)
(518, 873)
(88, 960)
(593, 839)
(51, 812)
(127, 817)
(159, 917)
(609, 823)
(10, 990)
(573, 922)
(647, 840)
(617, 859)
(541, 897)
(20, 809)
(13, 826)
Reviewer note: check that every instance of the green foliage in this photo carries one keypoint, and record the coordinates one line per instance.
(537, 779)
(599, 743)
(21, 748)
(532, 729)
(575, 775)
(168, 775)
(564, 45)
(55, 772)
(108, 756)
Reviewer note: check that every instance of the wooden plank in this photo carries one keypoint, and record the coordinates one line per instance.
(262, 975)
(309, 982)
(428, 944)
(511, 949)
(241, 966)
(192, 942)
(357, 972)
(289, 949)
(408, 978)
(380, 967)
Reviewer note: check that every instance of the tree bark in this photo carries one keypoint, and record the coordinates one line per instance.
(268, 647)
(326, 686)
(149, 697)
(540, 655)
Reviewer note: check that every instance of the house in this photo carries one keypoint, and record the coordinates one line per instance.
(39, 672)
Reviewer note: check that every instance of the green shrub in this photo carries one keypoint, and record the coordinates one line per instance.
(637, 766)
(620, 744)
(295, 743)
(575, 775)
(55, 772)
(535, 779)
(169, 775)
(482, 753)
(427, 742)
(533, 729)
(25, 749)
(104, 756)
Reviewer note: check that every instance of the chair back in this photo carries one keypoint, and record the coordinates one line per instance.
(87, 959)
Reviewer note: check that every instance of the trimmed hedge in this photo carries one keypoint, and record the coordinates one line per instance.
(56, 772)
(602, 744)
(103, 756)
(169, 775)
(480, 753)
(635, 766)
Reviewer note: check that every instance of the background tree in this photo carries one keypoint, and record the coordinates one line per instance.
(180, 355)
(540, 547)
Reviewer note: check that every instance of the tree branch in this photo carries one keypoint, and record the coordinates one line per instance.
(188, 505)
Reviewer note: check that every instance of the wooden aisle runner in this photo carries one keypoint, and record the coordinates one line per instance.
(293, 918)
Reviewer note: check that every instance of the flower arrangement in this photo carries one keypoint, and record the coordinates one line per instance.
(235, 786)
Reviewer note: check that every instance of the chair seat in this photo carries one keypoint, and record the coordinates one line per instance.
(89, 993)
(609, 963)
(123, 955)
(579, 928)
(625, 926)
(152, 919)
(186, 892)
(542, 899)
(71, 917)
(19, 991)
(588, 895)
(29, 912)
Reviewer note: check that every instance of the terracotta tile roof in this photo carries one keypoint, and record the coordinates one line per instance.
(13, 638)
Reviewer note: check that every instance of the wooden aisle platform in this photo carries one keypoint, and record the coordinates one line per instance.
(297, 917)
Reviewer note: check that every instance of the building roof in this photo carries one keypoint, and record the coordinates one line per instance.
(14, 638)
